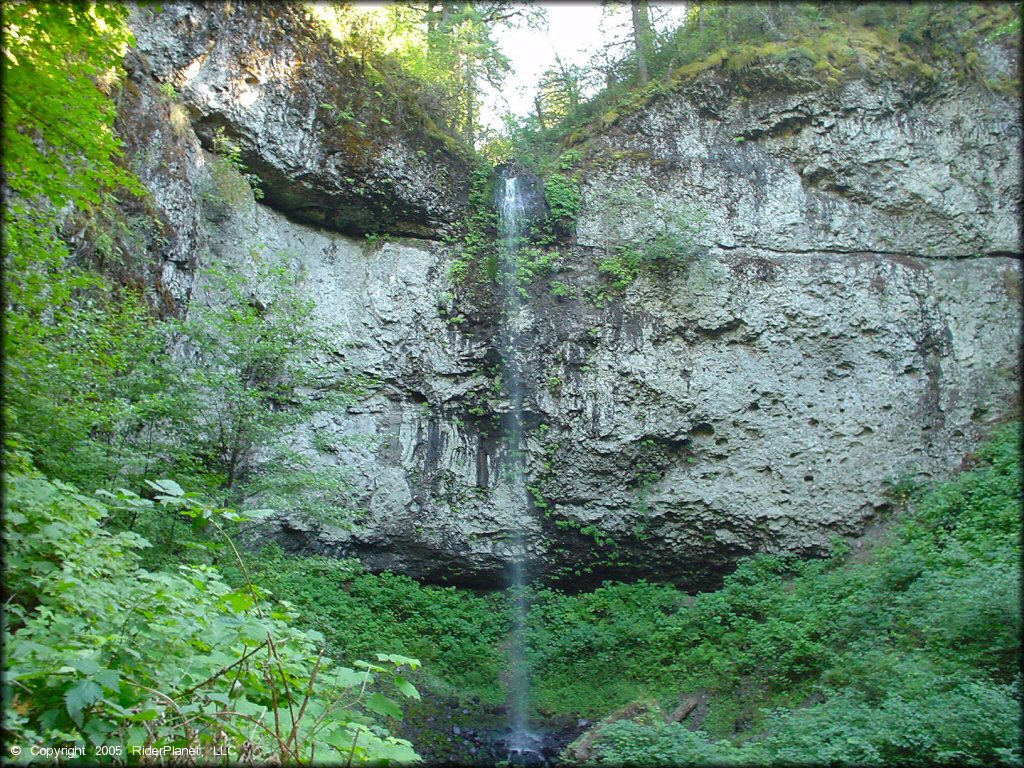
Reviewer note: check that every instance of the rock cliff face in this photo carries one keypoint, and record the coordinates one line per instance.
(332, 147)
(895, 168)
(851, 317)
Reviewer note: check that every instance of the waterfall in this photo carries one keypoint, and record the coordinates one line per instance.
(523, 746)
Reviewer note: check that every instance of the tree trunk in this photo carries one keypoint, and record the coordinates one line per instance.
(540, 111)
(571, 83)
(469, 83)
(643, 38)
(439, 24)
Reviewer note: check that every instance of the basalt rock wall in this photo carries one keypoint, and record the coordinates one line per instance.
(846, 314)
(333, 145)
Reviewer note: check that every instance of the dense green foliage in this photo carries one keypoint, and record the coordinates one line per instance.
(904, 653)
(76, 347)
(106, 655)
(456, 634)
(60, 61)
(102, 654)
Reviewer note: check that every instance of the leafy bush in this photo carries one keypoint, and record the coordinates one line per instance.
(576, 645)
(563, 197)
(532, 263)
(457, 635)
(100, 652)
(58, 141)
(86, 379)
(909, 657)
(253, 345)
(626, 743)
(921, 715)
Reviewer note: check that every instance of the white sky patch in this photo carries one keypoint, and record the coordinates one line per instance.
(575, 32)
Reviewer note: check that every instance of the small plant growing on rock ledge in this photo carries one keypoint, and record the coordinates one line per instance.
(230, 185)
(560, 290)
(656, 236)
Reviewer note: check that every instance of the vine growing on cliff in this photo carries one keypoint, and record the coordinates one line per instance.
(477, 254)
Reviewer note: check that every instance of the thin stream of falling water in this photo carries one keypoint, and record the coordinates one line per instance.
(511, 219)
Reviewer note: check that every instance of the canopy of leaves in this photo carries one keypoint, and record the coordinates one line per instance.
(445, 50)
(60, 61)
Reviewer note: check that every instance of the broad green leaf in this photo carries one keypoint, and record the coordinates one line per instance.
(348, 678)
(246, 707)
(399, 660)
(85, 666)
(79, 696)
(240, 600)
(344, 737)
(406, 687)
(169, 487)
(395, 750)
(108, 678)
(382, 705)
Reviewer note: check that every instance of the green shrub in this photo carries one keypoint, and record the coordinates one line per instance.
(457, 635)
(563, 197)
(922, 716)
(626, 743)
(100, 652)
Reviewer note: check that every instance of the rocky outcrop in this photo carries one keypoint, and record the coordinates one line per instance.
(762, 397)
(766, 404)
(330, 147)
(848, 314)
(897, 168)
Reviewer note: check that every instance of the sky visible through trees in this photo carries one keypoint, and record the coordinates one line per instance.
(575, 32)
